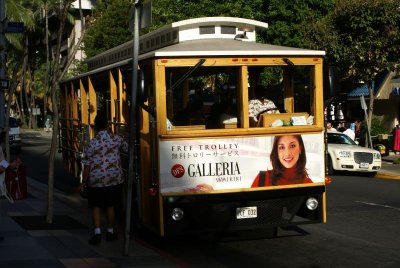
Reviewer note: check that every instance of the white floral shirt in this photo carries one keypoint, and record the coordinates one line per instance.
(257, 106)
(102, 154)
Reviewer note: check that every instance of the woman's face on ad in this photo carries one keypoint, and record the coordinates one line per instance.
(288, 151)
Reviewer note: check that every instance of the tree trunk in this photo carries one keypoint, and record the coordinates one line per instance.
(22, 110)
(50, 179)
(370, 111)
(54, 102)
(76, 46)
(47, 75)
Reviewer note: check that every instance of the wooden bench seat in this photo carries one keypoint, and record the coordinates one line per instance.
(267, 119)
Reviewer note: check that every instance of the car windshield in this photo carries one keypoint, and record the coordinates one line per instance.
(339, 138)
(12, 122)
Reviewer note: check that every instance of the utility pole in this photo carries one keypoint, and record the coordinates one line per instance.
(2, 66)
(2, 61)
(132, 165)
(139, 8)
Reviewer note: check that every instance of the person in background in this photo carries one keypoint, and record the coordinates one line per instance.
(349, 132)
(353, 127)
(102, 173)
(330, 128)
(4, 166)
(288, 159)
(358, 128)
(396, 139)
(259, 105)
(47, 124)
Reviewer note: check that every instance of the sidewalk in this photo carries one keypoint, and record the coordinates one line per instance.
(389, 170)
(64, 243)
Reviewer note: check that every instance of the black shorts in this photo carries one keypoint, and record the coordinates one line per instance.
(100, 197)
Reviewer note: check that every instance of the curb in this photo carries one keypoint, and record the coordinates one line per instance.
(387, 176)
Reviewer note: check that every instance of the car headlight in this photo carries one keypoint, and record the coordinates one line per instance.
(344, 154)
(377, 155)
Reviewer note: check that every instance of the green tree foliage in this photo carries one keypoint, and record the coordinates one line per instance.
(361, 36)
(164, 12)
(287, 20)
(110, 26)
(377, 127)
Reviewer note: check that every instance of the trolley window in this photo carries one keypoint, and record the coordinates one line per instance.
(213, 97)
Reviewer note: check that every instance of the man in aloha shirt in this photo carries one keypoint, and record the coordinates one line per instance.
(105, 163)
(103, 175)
(257, 106)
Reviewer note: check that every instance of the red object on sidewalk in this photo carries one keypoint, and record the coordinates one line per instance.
(16, 184)
(396, 143)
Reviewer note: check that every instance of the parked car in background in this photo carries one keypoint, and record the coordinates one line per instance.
(346, 155)
(14, 134)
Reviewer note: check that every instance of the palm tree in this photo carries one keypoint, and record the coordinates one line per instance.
(15, 11)
(24, 67)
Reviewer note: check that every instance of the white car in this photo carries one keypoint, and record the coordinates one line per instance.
(346, 155)
(14, 134)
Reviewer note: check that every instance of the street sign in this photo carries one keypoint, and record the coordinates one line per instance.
(14, 27)
(4, 83)
(363, 104)
(145, 18)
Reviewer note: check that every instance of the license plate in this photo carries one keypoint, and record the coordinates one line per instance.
(246, 212)
(364, 165)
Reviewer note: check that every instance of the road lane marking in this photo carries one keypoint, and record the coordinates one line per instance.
(377, 205)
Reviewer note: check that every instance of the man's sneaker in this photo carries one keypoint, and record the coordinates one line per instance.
(95, 240)
(111, 236)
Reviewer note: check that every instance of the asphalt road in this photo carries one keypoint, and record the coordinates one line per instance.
(35, 155)
(362, 229)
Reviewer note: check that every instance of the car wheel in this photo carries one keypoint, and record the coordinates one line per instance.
(331, 171)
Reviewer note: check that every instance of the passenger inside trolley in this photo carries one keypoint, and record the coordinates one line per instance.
(260, 104)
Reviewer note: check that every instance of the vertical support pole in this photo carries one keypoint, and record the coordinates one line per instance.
(2, 61)
(2, 69)
(132, 166)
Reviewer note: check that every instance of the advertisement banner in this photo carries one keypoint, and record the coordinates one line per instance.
(234, 163)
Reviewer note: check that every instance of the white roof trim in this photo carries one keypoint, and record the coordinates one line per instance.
(232, 53)
(218, 20)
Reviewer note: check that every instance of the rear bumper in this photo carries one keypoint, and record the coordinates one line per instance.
(217, 212)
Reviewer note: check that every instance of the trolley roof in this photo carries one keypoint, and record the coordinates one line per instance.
(224, 47)
(207, 36)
